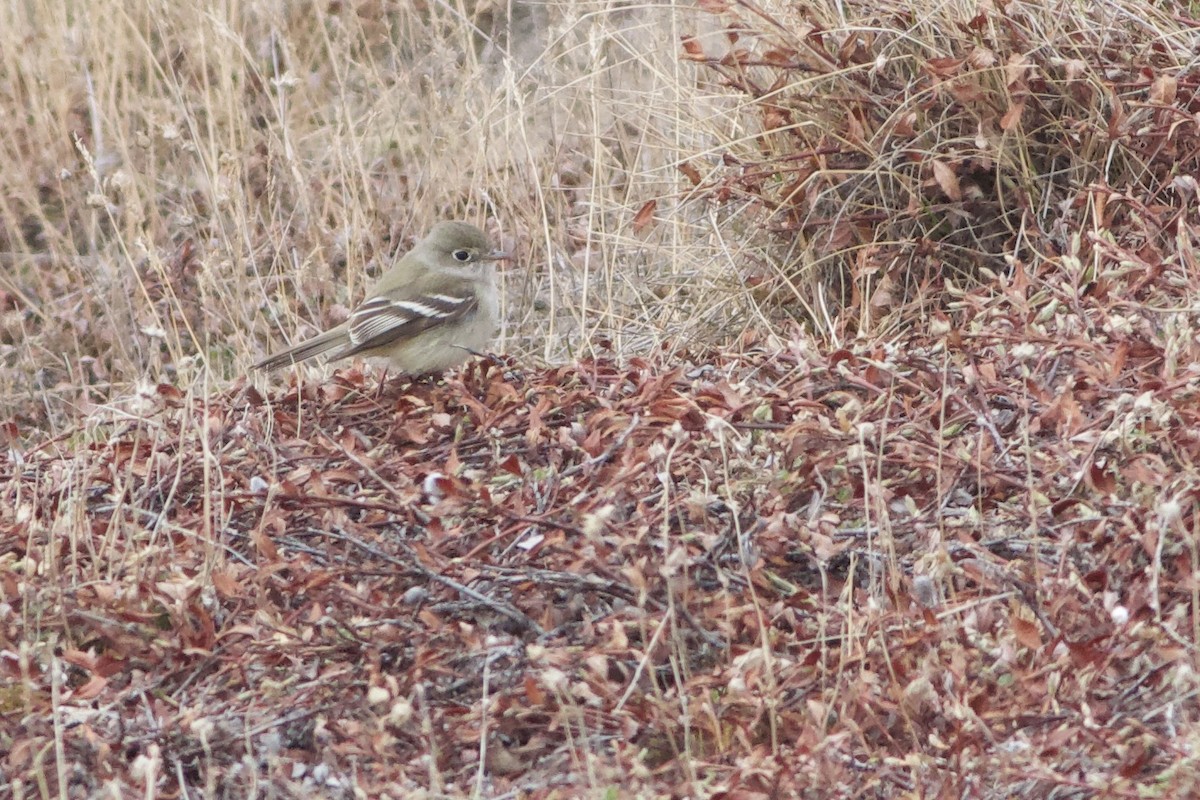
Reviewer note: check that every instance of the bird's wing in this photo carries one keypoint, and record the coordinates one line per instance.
(305, 350)
(382, 320)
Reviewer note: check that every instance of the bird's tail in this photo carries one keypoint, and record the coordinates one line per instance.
(305, 350)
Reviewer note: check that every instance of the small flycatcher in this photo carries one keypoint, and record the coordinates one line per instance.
(431, 311)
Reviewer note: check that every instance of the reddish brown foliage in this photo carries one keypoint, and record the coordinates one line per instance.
(771, 574)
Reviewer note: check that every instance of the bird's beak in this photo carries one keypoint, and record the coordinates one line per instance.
(498, 255)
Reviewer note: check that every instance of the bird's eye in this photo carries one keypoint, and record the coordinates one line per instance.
(462, 256)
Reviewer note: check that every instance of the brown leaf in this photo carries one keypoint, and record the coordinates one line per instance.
(775, 117)
(1117, 117)
(1099, 478)
(1012, 117)
(692, 49)
(1162, 91)
(944, 67)
(1027, 633)
(777, 57)
(946, 179)
(645, 216)
(1016, 69)
(225, 583)
(534, 692)
(982, 58)
(90, 690)
(737, 57)
(838, 356)
(1135, 760)
(977, 22)
(264, 545)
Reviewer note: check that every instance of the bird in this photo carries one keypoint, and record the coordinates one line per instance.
(437, 306)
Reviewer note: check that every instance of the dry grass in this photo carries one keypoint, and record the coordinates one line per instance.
(905, 146)
(943, 543)
(184, 187)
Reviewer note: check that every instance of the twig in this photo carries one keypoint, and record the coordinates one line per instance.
(499, 606)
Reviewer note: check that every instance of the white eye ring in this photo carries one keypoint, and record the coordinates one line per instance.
(462, 256)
